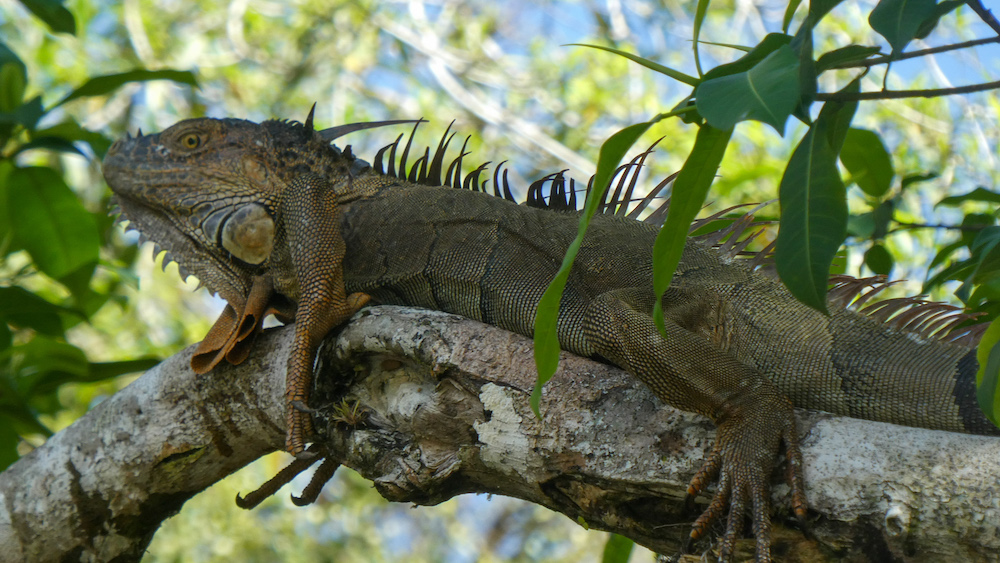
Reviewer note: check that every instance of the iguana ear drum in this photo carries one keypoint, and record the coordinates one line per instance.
(249, 234)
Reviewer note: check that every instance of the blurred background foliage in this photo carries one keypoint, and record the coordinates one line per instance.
(75, 75)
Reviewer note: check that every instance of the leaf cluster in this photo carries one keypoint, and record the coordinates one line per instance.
(776, 80)
(50, 243)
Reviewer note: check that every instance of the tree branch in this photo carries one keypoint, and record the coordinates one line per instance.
(885, 59)
(445, 403)
(897, 94)
(984, 14)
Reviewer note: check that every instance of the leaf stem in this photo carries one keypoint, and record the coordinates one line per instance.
(907, 226)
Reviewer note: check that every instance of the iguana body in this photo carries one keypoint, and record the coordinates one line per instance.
(275, 219)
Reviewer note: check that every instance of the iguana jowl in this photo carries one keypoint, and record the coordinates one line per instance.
(275, 219)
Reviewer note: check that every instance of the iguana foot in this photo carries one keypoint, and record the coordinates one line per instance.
(299, 379)
(745, 448)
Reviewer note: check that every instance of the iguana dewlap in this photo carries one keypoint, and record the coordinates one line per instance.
(275, 219)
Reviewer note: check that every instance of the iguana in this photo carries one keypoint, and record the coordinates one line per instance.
(275, 218)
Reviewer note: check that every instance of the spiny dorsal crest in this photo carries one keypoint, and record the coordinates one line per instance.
(729, 233)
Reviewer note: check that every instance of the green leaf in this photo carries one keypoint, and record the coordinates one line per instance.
(916, 179)
(70, 130)
(988, 269)
(931, 22)
(786, 21)
(813, 216)
(700, 11)
(52, 12)
(882, 218)
(12, 85)
(899, 20)
(944, 253)
(802, 45)
(6, 337)
(675, 74)
(24, 309)
(839, 115)
(743, 48)
(85, 300)
(769, 44)
(839, 265)
(768, 92)
(686, 199)
(879, 260)
(100, 85)
(15, 408)
(6, 231)
(986, 252)
(53, 379)
(9, 90)
(844, 55)
(820, 8)
(956, 271)
(986, 299)
(49, 221)
(617, 549)
(861, 226)
(42, 358)
(9, 438)
(988, 376)
(546, 339)
(870, 165)
(8, 56)
(978, 194)
(975, 224)
(27, 114)
(54, 144)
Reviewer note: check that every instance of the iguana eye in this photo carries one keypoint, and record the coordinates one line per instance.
(191, 141)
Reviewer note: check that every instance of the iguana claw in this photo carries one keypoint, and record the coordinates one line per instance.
(747, 443)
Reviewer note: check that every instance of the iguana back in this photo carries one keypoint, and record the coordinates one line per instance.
(488, 259)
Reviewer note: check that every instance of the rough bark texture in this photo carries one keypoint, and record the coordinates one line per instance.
(444, 405)
(98, 490)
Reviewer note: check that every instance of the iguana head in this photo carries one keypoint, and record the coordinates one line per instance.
(206, 190)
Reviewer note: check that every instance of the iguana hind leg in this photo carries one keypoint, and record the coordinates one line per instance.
(687, 371)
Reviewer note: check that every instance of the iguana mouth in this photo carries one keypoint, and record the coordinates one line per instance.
(154, 226)
(119, 207)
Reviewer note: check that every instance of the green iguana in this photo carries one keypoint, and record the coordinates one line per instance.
(276, 219)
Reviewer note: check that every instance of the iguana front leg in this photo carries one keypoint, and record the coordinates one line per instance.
(312, 225)
(685, 370)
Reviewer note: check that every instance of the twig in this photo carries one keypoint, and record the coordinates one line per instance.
(921, 53)
(897, 94)
(932, 226)
(984, 14)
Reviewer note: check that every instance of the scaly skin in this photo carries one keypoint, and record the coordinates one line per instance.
(276, 220)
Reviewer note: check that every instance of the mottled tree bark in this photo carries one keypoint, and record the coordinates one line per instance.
(429, 406)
